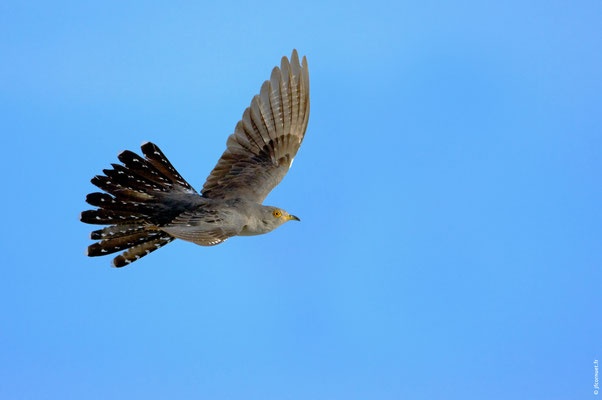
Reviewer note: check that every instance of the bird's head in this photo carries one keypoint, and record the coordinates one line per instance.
(274, 216)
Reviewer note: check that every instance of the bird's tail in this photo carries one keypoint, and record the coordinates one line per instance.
(135, 205)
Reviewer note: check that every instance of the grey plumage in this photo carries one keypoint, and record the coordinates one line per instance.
(148, 204)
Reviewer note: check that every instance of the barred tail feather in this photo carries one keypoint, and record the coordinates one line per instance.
(107, 217)
(108, 202)
(155, 156)
(131, 180)
(134, 205)
(113, 245)
(142, 167)
(124, 193)
(115, 231)
(139, 251)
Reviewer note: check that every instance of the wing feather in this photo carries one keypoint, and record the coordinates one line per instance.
(276, 102)
(266, 110)
(286, 94)
(267, 138)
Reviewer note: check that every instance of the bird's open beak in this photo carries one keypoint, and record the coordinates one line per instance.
(293, 218)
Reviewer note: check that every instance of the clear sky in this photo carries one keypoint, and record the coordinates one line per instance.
(448, 186)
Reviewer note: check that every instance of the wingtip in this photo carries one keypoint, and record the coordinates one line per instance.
(295, 58)
(275, 76)
(284, 63)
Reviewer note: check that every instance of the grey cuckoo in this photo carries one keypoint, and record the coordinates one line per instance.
(147, 204)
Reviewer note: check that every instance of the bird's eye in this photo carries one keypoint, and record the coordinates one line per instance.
(277, 214)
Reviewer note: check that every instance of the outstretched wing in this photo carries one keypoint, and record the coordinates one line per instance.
(264, 143)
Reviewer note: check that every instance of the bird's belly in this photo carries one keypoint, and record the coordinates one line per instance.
(200, 234)
(206, 228)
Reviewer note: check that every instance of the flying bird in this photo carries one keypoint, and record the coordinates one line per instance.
(147, 204)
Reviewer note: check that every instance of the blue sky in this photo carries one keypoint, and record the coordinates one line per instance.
(448, 186)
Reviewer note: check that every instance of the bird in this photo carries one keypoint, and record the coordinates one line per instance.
(147, 204)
